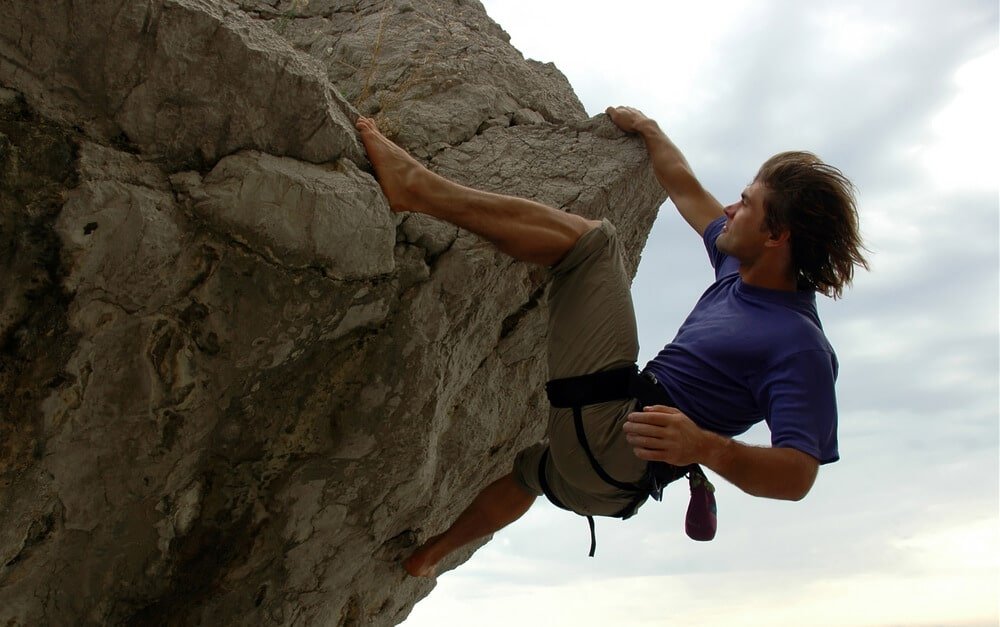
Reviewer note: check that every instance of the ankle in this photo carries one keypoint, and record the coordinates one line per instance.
(430, 193)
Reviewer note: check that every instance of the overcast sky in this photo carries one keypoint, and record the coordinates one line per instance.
(904, 530)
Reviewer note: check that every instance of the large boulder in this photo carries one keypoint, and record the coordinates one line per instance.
(234, 386)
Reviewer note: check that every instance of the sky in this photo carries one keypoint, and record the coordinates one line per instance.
(905, 528)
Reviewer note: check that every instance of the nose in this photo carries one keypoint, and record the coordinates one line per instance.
(730, 210)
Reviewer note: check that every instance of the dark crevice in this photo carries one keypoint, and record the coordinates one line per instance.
(510, 323)
(38, 163)
(351, 615)
(39, 529)
(218, 541)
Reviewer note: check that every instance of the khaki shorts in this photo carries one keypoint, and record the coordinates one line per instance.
(591, 328)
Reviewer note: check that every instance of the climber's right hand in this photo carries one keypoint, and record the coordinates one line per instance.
(628, 119)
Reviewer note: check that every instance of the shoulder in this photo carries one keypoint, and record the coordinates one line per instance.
(802, 339)
(790, 334)
(709, 235)
(712, 230)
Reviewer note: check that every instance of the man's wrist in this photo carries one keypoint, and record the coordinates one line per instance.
(715, 449)
(648, 128)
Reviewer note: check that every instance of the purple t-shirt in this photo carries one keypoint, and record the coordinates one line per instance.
(747, 354)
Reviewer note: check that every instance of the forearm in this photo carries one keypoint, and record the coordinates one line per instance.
(669, 164)
(663, 434)
(777, 473)
(695, 204)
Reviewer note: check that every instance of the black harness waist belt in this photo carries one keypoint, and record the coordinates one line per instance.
(603, 387)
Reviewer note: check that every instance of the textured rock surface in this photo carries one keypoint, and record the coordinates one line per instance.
(234, 387)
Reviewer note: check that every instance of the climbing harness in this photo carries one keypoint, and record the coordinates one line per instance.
(619, 384)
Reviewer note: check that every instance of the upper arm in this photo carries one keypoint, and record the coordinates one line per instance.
(696, 205)
(800, 402)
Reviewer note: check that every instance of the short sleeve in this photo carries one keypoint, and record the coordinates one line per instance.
(801, 404)
(712, 232)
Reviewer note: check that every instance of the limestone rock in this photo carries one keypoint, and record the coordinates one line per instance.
(234, 387)
(334, 218)
(185, 81)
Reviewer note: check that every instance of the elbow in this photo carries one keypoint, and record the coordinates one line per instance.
(795, 485)
(785, 492)
(798, 495)
(798, 488)
(800, 477)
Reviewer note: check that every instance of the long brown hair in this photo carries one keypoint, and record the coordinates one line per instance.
(815, 202)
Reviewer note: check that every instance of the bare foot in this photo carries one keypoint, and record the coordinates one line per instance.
(399, 174)
(422, 562)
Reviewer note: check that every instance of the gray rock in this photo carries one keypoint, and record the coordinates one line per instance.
(184, 81)
(234, 387)
(429, 71)
(334, 218)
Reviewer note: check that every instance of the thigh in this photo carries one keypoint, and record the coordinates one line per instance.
(602, 425)
(587, 502)
(593, 500)
(591, 318)
(568, 471)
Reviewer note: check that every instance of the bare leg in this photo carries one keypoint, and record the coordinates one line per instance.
(501, 503)
(524, 229)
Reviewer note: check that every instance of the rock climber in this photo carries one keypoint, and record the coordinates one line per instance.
(752, 349)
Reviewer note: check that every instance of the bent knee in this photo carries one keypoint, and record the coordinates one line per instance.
(586, 226)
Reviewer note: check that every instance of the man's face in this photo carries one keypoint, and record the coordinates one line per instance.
(744, 235)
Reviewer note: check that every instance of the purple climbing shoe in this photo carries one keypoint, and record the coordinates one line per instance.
(701, 522)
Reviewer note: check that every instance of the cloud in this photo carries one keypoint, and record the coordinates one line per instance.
(903, 530)
(924, 595)
(960, 155)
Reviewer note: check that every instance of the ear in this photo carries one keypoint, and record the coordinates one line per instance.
(782, 238)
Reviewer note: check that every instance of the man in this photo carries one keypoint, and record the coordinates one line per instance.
(752, 349)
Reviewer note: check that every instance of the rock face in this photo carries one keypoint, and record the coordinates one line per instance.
(234, 387)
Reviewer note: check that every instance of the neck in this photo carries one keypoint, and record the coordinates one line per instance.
(769, 273)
